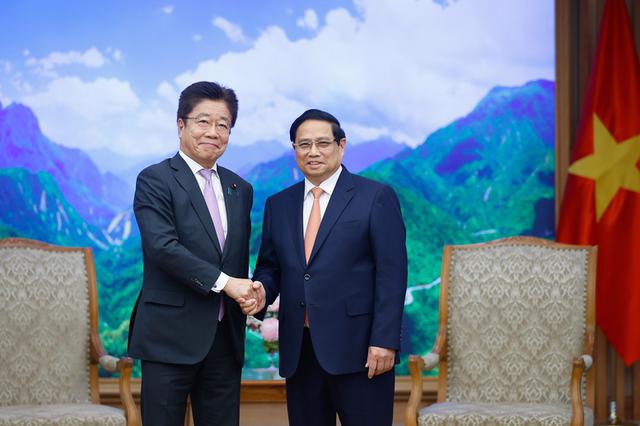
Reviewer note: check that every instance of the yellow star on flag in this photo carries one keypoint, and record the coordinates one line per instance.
(612, 165)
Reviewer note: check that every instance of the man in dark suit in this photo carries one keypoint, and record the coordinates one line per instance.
(333, 248)
(194, 222)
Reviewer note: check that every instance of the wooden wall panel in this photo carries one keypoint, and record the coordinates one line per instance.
(579, 31)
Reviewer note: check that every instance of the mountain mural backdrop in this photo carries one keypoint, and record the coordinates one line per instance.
(487, 175)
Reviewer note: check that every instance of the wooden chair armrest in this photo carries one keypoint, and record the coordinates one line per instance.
(588, 361)
(418, 364)
(416, 367)
(123, 366)
(439, 347)
(431, 361)
(109, 363)
(580, 365)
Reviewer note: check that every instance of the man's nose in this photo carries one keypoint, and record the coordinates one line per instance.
(212, 132)
(314, 150)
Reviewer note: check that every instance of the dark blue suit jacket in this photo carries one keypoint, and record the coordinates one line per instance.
(176, 315)
(354, 285)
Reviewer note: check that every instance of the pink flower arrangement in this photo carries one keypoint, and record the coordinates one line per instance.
(253, 324)
(275, 306)
(270, 329)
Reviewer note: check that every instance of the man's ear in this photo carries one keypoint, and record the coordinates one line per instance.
(180, 126)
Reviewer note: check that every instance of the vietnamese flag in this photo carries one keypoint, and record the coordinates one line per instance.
(601, 204)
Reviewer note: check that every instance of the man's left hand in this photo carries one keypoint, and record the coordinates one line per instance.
(379, 360)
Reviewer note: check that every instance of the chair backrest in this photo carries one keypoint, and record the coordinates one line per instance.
(518, 311)
(45, 315)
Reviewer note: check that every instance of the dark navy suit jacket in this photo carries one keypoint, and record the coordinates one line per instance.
(176, 315)
(354, 285)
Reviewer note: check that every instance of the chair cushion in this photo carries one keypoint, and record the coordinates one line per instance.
(463, 413)
(61, 414)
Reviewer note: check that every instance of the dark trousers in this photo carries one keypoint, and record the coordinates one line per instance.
(213, 383)
(314, 397)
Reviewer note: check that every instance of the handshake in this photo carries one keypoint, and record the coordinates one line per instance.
(248, 294)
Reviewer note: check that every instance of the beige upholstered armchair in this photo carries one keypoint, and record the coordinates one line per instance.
(515, 337)
(50, 349)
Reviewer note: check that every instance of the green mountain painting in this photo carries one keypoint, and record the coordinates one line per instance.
(487, 175)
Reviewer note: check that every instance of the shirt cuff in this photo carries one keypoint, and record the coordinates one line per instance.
(220, 283)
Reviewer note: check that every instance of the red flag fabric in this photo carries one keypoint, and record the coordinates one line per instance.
(601, 202)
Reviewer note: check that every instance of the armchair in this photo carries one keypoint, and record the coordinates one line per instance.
(516, 334)
(50, 349)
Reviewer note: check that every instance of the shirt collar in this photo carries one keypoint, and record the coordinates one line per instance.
(328, 185)
(194, 166)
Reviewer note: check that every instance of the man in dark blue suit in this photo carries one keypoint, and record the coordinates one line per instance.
(194, 222)
(333, 248)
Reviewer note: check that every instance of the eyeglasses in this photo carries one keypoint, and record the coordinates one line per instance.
(205, 123)
(322, 145)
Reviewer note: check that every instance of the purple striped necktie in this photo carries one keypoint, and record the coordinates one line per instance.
(214, 211)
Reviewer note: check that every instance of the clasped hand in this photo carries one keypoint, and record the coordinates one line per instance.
(250, 295)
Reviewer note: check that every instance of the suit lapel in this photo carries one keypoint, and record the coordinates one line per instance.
(187, 180)
(342, 194)
(231, 193)
(297, 233)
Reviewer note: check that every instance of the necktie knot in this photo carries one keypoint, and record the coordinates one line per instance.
(206, 174)
(317, 191)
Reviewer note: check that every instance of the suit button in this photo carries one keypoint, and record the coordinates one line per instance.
(307, 277)
(302, 304)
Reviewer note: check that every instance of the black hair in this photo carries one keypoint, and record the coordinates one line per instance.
(203, 90)
(316, 114)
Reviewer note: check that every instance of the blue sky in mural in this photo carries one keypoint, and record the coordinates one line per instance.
(401, 69)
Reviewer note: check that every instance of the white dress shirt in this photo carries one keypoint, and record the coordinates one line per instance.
(327, 186)
(217, 189)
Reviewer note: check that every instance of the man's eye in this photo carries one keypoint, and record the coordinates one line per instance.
(203, 122)
(323, 144)
(304, 145)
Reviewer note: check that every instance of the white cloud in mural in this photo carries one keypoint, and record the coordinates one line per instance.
(101, 98)
(166, 91)
(168, 10)
(6, 66)
(105, 112)
(398, 70)
(197, 37)
(414, 66)
(232, 31)
(20, 84)
(359, 132)
(117, 55)
(4, 100)
(91, 58)
(309, 20)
